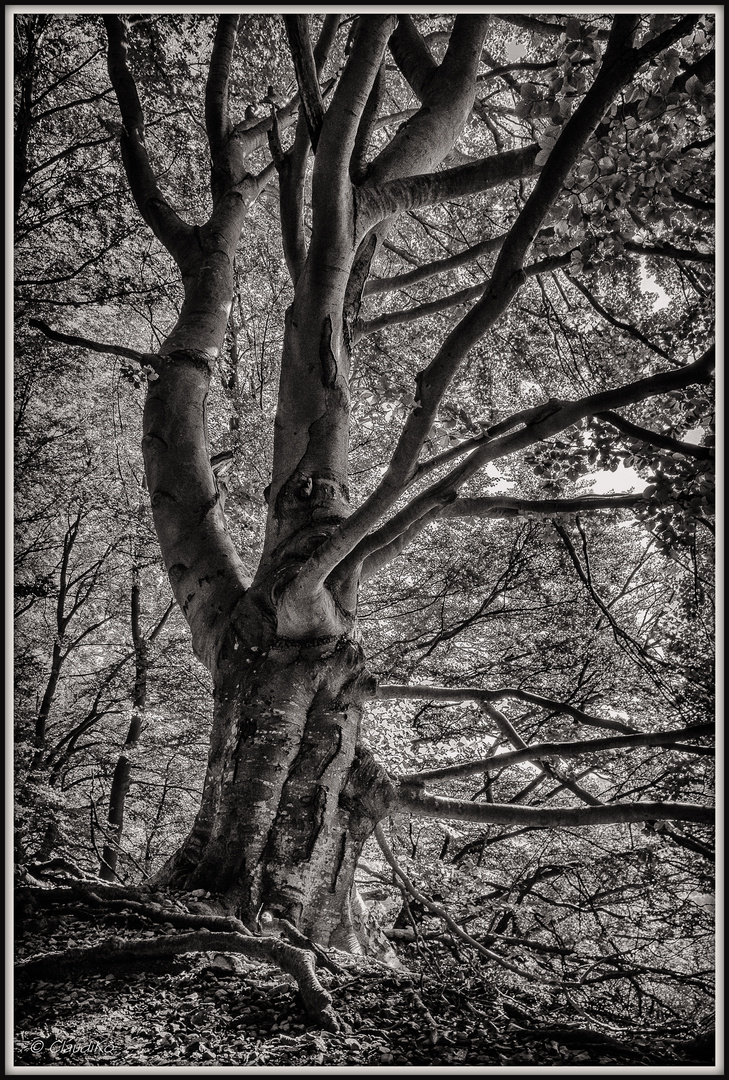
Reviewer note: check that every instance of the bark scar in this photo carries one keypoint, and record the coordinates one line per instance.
(326, 354)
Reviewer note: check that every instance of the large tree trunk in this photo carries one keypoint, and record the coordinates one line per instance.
(289, 797)
(285, 808)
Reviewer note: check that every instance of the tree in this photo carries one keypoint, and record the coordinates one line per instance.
(560, 189)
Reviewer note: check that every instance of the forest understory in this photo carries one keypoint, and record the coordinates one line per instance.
(210, 1009)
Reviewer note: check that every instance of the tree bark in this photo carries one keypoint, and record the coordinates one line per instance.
(284, 811)
(290, 796)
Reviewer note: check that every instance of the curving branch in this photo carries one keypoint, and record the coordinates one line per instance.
(453, 695)
(412, 55)
(450, 301)
(289, 958)
(620, 63)
(145, 359)
(676, 446)
(166, 224)
(548, 750)
(547, 420)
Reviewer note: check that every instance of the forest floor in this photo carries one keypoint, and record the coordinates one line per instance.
(209, 1010)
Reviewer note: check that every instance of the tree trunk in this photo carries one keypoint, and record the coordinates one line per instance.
(285, 807)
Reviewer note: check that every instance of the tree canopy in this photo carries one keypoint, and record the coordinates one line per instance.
(369, 358)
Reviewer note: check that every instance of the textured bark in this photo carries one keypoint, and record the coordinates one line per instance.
(281, 822)
(289, 795)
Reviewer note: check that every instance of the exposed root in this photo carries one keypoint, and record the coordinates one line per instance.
(208, 933)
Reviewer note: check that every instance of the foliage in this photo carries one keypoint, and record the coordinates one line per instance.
(579, 621)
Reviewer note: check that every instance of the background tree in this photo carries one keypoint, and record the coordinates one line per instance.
(393, 560)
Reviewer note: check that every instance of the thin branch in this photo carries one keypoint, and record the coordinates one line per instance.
(169, 228)
(655, 437)
(628, 328)
(375, 286)
(435, 909)
(502, 506)
(489, 506)
(619, 65)
(454, 695)
(145, 359)
(669, 251)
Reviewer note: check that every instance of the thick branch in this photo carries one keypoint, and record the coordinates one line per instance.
(297, 30)
(217, 119)
(548, 750)
(174, 233)
(421, 805)
(344, 114)
(427, 189)
(412, 55)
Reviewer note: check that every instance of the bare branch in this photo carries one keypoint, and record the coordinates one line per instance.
(169, 228)
(548, 421)
(118, 950)
(421, 805)
(547, 750)
(148, 359)
(676, 446)
(618, 323)
(490, 506)
(297, 31)
(424, 692)
(541, 26)
(375, 286)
